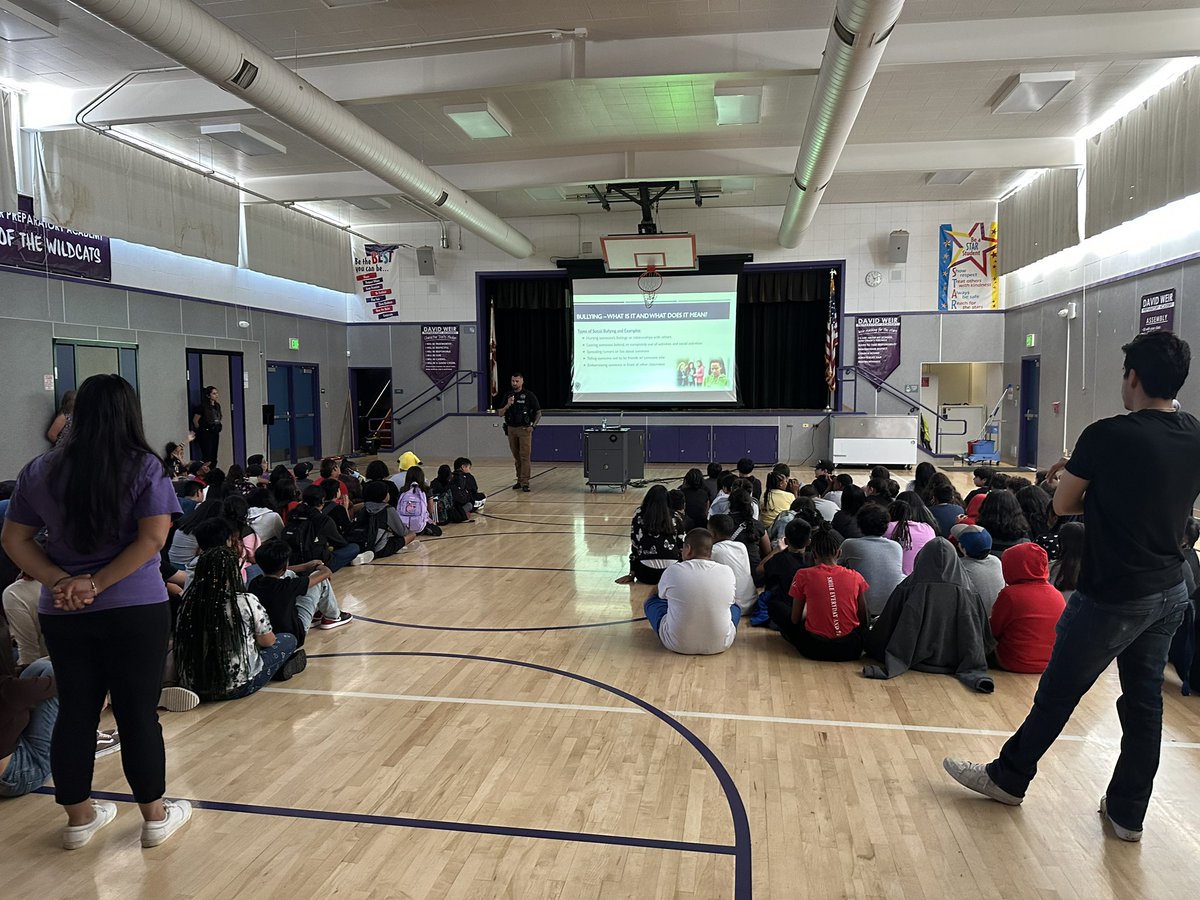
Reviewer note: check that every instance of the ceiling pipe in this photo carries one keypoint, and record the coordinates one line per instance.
(185, 33)
(853, 49)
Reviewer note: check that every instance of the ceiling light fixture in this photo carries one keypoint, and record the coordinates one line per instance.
(738, 104)
(478, 120)
(243, 139)
(1031, 91)
(19, 24)
(549, 193)
(369, 204)
(1165, 76)
(949, 176)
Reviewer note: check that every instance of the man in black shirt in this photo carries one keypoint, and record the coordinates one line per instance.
(521, 412)
(1131, 596)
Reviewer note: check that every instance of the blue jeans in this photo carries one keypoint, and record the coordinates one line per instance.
(30, 764)
(1091, 634)
(656, 609)
(273, 658)
(342, 557)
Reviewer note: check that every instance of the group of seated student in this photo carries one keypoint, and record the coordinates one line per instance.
(920, 578)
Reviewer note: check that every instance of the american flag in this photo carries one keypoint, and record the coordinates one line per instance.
(493, 373)
(831, 337)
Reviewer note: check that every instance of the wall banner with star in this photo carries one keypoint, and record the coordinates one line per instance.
(968, 277)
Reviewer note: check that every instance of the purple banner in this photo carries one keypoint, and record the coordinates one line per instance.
(1157, 312)
(33, 244)
(877, 345)
(439, 353)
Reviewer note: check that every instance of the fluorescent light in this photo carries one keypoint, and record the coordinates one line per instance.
(1031, 91)
(545, 193)
(738, 105)
(243, 139)
(369, 203)
(19, 24)
(1169, 73)
(478, 120)
(737, 184)
(949, 176)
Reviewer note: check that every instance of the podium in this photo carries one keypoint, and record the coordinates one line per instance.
(612, 457)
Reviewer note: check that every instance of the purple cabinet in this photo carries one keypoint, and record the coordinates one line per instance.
(557, 443)
(759, 442)
(679, 443)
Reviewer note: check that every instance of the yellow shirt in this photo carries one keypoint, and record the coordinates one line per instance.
(774, 503)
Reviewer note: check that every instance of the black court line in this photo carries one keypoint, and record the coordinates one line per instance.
(743, 882)
(425, 565)
(583, 837)
(499, 630)
(479, 533)
(553, 524)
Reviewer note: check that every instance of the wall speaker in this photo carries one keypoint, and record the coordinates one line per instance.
(425, 260)
(268, 414)
(898, 247)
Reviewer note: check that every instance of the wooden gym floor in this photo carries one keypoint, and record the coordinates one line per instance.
(498, 722)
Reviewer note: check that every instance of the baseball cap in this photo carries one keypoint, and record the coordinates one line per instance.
(975, 541)
(407, 460)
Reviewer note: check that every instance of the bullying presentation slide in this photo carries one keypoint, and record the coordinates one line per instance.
(679, 351)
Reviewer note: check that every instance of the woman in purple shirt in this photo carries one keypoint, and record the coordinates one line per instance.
(106, 505)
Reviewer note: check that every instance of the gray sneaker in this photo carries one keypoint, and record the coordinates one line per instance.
(1125, 834)
(178, 813)
(974, 776)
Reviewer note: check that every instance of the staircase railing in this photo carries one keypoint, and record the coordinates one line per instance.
(851, 375)
(430, 395)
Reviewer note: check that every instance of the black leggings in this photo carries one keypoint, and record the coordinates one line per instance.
(209, 441)
(644, 574)
(120, 652)
(814, 646)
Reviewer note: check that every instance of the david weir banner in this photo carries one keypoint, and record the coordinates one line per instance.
(33, 244)
(376, 279)
(439, 353)
(877, 345)
(1157, 312)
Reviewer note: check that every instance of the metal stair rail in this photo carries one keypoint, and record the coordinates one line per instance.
(851, 374)
(429, 395)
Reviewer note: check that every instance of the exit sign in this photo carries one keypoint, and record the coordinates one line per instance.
(294, 343)
(1030, 340)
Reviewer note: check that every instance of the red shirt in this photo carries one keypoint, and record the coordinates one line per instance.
(831, 595)
(342, 490)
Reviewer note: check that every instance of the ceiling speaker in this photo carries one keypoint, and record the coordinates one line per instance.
(898, 247)
(425, 261)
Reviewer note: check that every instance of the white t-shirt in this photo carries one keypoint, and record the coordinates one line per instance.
(699, 593)
(827, 508)
(255, 621)
(735, 555)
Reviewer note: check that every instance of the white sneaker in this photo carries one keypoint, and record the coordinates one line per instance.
(178, 813)
(974, 776)
(1125, 834)
(178, 699)
(75, 836)
(363, 558)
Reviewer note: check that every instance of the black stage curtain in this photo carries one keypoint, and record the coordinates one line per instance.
(782, 318)
(533, 335)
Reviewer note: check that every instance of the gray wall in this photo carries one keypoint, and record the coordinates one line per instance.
(1107, 318)
(35, 310)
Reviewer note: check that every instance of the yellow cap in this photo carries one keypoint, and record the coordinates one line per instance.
(407, 460)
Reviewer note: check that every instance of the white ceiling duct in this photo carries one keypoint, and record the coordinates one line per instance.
(185, 33)
(856, 42)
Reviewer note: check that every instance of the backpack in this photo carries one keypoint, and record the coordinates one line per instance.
(303, 535)
(443, 503)
(413, 507)
(367, 528)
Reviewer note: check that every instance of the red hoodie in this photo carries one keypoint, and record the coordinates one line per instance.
(1026, 611)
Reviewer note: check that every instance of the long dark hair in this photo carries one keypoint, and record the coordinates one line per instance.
(1070, 556)
(901, 514)
(919, 511)
(694, 479)
(210, 630)
(656, 511)
(415, 475)
(1035, 506)
(209, 509)
(924, 475)
(235, 511)
(92, 470)
(204, 401)
(741, 506)
(1001, 515)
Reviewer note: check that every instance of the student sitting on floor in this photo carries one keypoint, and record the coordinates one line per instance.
(312, 535)
(28, 710)
(1027, 611)
(912, 527)
(983, 570)
(693, 611)
(775, 501)
(296, 598)
(730, 483)
(462, 470)
(982, 480)
(696, 499)
(1064, 571)
(261, 515)
(417, 507)
(654, 542)
(377, 470)
(678, 504)
(224, 645)
(947, 507)
(379, 527)
(733, 554)
(1001, 515)
(747, 529)
(934, 622)
(21, 611)
(191, 494)
(712, 484)
(745, 468)
(335, 504)
(845, 523)
(880, 561)
(779, 569)
(824, 613)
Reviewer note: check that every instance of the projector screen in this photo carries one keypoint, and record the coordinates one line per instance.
(679, 352)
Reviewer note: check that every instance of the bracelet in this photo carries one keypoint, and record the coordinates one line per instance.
(92, 581)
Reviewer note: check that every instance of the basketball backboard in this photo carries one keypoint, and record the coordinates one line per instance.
(639, 252)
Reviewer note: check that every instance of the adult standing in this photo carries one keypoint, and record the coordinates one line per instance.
(206, 422)
(103, 606)
(1131, 595)
(521, 412)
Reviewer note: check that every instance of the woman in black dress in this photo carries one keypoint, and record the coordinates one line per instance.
(206, 422)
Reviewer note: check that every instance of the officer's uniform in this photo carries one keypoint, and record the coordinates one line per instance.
(519, 420)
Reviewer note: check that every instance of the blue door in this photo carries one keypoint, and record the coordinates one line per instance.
(1031, 381)
(294, 389)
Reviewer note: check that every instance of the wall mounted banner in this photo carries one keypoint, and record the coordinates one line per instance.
(877, 345)
(439, 353)
(968, 277)
(33, 244)
(376, 279)
(1157, 312)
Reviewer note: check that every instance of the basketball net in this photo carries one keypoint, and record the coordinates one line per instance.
(648, 283)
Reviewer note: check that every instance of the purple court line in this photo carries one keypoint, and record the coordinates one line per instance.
(499, 630)
(743, 880)
(582, 837)
(481, 533)
(425, 565)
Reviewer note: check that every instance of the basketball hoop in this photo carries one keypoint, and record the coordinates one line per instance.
(648, 283)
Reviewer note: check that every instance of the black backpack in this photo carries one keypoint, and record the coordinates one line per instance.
(367, 527)
(303, 535)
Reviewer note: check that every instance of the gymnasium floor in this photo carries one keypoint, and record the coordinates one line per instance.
(497, 723)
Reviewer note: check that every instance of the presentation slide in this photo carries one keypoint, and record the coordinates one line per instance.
(679, 351)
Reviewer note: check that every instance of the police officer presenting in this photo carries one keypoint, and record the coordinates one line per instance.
(521, 412)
